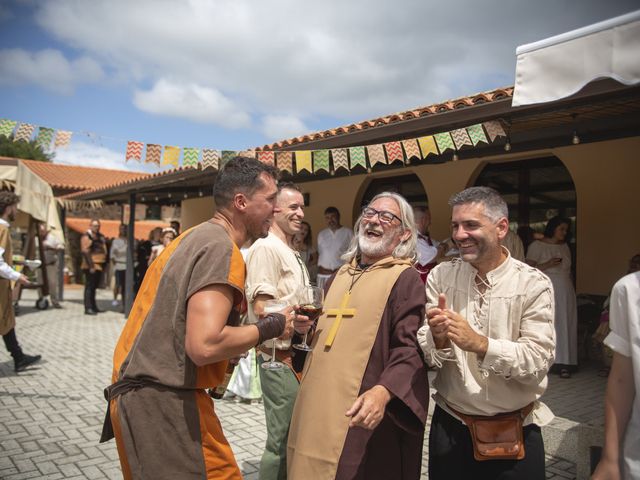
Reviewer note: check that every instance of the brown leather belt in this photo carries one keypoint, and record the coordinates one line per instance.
(326, 271)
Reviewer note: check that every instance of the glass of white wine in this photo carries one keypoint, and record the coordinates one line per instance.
(273, 306)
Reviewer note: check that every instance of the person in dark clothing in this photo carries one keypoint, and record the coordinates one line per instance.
(93, 246)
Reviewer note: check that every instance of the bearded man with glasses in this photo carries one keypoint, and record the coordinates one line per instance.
(362, 403)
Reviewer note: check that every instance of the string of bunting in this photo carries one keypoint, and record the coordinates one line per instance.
(311, 161)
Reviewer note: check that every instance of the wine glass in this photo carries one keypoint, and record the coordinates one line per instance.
(273, 306)
(310, 299)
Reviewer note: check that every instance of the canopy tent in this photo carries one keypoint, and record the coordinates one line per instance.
(36, 197)
(560, 66)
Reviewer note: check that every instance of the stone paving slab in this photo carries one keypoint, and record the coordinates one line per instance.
(51, 415)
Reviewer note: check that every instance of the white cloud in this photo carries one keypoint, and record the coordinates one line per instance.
(283, 126)
(193, 102)
(48, 69)
(89, 155)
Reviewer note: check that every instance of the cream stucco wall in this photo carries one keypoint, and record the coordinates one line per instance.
(605, 175)
(195, 211)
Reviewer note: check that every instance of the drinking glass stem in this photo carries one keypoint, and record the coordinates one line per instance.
(273, 352)
(304, 340)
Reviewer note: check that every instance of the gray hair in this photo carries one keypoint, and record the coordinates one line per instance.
(495, 206)
(404, 250)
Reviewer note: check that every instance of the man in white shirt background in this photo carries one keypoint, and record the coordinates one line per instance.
(427, 247)
(333, 241)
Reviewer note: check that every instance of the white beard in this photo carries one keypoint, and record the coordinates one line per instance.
(379, 247)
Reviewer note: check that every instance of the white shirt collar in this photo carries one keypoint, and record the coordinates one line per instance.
(4, 222)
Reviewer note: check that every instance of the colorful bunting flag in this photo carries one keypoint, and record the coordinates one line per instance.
(444, 141)
(340, 158)
(303, 160)
(285, 161)
(494, 129)
(154, 152)
(376, 154)
(476, 133)
(267, 158)
(45, 135)
(24, 132)
(134, 151)
(460, 138)
(394, 151)
(357, 157)
(428, 146)
(190, 156)
(247, 153)
(210, 158)
(321, 160)
(411, 148)
(171, 156)
(226, 156)
(62, 138)
(7, 126)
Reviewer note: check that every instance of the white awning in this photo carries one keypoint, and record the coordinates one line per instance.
(560, 66)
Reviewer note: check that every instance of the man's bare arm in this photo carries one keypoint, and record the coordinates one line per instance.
(208, 337)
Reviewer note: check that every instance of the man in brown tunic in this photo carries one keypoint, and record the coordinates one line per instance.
(8, 209)
(362, 404)
(180, 333)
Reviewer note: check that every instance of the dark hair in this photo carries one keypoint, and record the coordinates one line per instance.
(494, 205)
(329, 210)
(7, 198)
(240, 175)
(288, 186)
(554, 223)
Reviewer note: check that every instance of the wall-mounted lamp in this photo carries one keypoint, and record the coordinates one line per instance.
(575, 139)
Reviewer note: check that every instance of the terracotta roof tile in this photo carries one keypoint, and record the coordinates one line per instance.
(73, 177)
(109, 228)
(455, 104)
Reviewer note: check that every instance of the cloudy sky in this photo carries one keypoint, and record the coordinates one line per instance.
(235, 74)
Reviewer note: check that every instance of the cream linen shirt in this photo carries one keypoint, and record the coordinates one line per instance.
(274, 269)
(517, 316)
(331, 246)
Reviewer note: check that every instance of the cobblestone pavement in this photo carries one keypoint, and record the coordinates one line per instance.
(52, 413)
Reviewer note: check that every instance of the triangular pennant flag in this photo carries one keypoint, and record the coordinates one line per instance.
(460, 138)
(134, 151)
(340, 158)
(154, 152)
(476, 134)
(171, 156)
(267, 158)
(62, 138)
(376, 154)
(190, 156)
(357, 157)
(45, 135)
(24, 132)
(411, 148)
(285, 161)
(444, 141)
(210, 158)
(428, 146)
(303, 161)
(494, 129)
(321, 160)
(394, 151)
(226, 156)
(247, 153)
(7, 126)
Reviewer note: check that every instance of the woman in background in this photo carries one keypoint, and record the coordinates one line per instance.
(552, 256)
(308, 254)
(168, 235)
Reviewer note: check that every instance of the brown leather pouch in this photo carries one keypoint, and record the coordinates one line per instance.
(499, 437)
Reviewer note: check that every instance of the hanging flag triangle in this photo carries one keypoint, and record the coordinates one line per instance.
(394, 151)
(7, 126)
(340, 158)
(444, 141)
(171, 156)
(154, 152)
(190, 157)
(303, 160)
(357, 156)
(24, 132)
(476, 134)
(210, 158)
(321, 160)
(134, 151)
(285, 161)
(428, 146)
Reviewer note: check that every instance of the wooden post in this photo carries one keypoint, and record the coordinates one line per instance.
(129, 275)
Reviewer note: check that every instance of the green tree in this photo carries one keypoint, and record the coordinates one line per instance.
(22, 149)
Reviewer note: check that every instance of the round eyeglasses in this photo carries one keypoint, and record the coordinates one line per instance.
(383, 215)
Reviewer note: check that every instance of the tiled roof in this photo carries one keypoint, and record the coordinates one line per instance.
(455, 104)
(73, 177)
(110, 228)
(145, 176)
